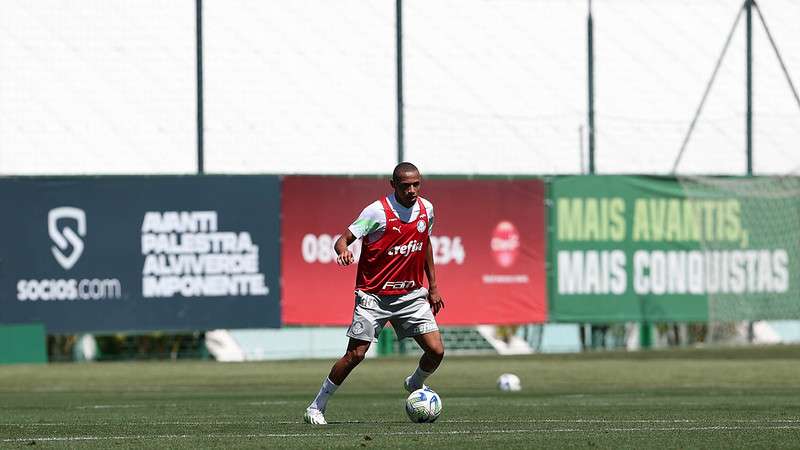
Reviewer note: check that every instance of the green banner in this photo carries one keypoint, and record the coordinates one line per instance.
(664, 249)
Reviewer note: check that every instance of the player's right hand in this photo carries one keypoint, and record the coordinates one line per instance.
(345, 258)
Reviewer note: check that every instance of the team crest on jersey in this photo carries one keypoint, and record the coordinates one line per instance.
(421, 226)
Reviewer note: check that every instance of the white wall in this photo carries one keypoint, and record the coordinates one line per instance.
(300, 86)
(654, 59)
(777, 114)
(492, 86)
(97, 86)
(495, 86)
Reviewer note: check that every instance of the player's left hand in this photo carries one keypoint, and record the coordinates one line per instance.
(436, 301)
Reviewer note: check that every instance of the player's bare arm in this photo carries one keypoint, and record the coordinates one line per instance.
(434, 298)
(344, 255)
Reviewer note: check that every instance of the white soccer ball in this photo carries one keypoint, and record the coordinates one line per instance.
(423, 406)
(509, 382)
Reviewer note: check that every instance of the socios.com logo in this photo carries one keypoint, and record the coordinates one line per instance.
(66, 237)
(66, 226)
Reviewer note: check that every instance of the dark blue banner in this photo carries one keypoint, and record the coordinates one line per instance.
(101, 254)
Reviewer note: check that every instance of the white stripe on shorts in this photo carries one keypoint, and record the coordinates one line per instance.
(420, 312)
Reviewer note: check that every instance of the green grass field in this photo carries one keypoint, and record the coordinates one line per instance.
(733, 398)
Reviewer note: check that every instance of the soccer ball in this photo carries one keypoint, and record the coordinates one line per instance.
(423, 406)
(509, 382)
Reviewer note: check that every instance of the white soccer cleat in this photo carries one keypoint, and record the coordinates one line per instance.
(314, 417)
(409, 388)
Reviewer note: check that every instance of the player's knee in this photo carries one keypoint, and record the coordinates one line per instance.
(355, 356)
(436, 352)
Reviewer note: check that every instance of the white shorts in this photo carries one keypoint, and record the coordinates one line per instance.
(410, 315)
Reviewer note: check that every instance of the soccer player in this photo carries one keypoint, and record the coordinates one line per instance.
(395, 251)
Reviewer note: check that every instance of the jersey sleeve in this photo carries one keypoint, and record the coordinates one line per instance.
(372, 219)
(431, 218)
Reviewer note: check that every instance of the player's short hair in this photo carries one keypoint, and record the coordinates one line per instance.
(403, 167)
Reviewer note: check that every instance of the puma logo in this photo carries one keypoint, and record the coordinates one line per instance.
(396, 228)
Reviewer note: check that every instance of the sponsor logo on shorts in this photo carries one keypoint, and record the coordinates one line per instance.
(399, 285)
(367, 302)
(423, 328)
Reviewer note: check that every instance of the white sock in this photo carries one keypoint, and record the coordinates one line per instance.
(321, 400)
(417, 379)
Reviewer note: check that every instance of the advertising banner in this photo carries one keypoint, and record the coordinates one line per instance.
(663, 249)
(140, 253)
(488, 241)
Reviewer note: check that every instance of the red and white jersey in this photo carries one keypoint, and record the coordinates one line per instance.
(394, 264)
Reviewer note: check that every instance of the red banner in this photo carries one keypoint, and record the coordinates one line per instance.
(488, 240)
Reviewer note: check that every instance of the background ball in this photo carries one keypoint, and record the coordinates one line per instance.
(509, 382)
